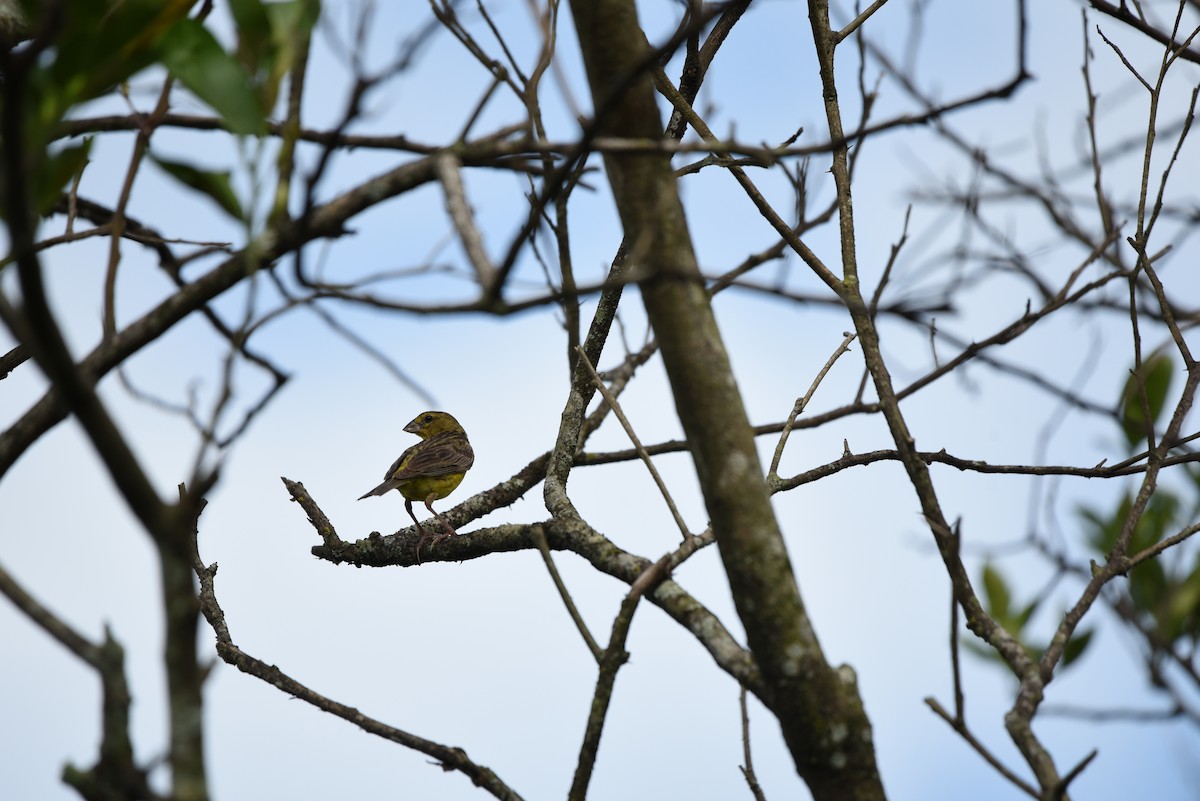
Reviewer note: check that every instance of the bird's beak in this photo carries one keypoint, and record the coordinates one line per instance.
(412, 427)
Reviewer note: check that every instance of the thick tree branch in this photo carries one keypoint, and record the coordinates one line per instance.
(565, 534)
(809, 697)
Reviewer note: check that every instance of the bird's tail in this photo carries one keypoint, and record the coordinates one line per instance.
(382, 488)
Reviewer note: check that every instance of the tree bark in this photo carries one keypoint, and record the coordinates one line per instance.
(818, 707)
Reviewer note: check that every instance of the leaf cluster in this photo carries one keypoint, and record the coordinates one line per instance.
(95, 47)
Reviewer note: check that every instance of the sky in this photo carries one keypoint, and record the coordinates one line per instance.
(481, 655)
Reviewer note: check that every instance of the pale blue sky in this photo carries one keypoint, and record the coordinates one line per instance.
(481, 655)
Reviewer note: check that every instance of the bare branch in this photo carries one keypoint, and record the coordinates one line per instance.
(799, 407)
(961, 727)
(539, 538)
(565, 534)
(748, 768)
(611, 400)
(449, 173)
(614, 657)
(449, 757)
(853, 25)
(1121, 12)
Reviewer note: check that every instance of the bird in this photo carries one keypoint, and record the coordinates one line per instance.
(429, 470)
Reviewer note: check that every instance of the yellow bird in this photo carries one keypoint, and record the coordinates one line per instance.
(431, 469)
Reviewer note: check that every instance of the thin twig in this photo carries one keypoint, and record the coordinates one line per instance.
(1073, 773)
(1094, 715)
(140, 146)
(748, 768)
(611, 400)
(961, 727)
(449, 168)
(801, 404)
(47, 620)
(857, 21)
(614, 657)
(1122, 13)
(960, 703)
(539, 539)
(449, 757)
(785, 231)
(108, 660)
(893, 254)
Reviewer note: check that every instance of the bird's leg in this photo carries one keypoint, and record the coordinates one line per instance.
(424, 537)
(450, 532)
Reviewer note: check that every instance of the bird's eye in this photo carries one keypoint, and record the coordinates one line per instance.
(429, 418)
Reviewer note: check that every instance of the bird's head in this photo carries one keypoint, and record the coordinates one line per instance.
(426, 424)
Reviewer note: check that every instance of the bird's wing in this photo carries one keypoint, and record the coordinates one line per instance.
(396, 465)
(389, 482)
(440, 455)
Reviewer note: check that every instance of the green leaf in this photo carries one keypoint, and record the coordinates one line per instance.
(1190, 592)
(254, 32)
(270, 36)
(1155, 377)
(291, 25)
(251, 18)
(983, 651)
(216, 185)
(1076, 646)
(1023, 616)
(998, 598)
(293, 17)
(98, 45)
(56, 172)
(1148, 588)
(198, 61)
(1103, 528)
(1181, 609)
(1161, 513)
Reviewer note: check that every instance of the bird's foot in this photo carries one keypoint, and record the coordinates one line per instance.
(433, 539)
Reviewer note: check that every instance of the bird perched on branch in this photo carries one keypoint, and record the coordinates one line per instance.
(431, 469)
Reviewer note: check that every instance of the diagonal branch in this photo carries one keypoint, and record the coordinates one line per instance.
(451, 758)
(614, 657)
(1121, 12)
